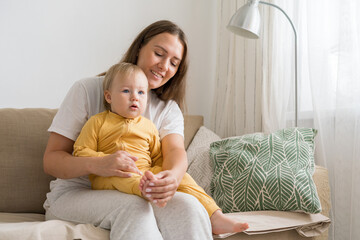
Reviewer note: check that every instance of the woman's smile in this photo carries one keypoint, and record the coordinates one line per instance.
(160, 58)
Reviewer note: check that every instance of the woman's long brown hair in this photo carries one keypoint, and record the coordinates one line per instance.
(174, 89)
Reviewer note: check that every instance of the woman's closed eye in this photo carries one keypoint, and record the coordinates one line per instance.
(158, 54)
(175, 64)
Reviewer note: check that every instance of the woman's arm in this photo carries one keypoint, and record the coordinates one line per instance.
(174, 167)
(174, 156)
(59, 162)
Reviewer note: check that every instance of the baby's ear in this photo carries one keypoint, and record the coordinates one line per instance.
(107, 96)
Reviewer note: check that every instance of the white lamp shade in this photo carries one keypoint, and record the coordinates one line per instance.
(246, 21)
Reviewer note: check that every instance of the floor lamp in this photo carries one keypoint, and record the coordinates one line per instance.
(246, 22)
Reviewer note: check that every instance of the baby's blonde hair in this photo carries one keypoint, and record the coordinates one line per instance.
(122, 68)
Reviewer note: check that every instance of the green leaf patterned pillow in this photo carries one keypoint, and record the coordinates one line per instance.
(265, 172)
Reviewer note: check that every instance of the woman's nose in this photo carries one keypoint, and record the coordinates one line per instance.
(163, 65)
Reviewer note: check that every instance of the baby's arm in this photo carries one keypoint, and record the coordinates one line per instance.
(87, 142)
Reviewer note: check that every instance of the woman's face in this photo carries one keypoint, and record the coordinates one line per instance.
(160, 58)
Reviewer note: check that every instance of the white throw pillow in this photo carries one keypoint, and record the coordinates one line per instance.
(200, 167)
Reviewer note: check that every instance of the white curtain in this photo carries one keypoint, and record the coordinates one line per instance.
(237, 102)
(329, 88)
(248, 99)
(333, 38)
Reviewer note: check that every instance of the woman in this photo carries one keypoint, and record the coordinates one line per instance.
(160, 50)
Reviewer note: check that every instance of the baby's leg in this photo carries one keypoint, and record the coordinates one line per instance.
(126, 185)
(221, 223)
(189, 186)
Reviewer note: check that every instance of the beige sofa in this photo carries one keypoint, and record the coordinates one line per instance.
(23, 186)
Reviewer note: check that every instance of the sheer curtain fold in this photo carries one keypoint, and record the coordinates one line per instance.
(334, 73)
(237, 102)
(254, 89)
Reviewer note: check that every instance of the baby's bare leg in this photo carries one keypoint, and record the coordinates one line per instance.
(220, 223)
(146, 178)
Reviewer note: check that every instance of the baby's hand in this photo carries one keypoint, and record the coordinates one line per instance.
(145, 181)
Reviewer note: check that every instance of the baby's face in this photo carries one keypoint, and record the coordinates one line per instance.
(128, 94)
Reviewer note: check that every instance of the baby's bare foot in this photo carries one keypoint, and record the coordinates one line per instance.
(220, 223)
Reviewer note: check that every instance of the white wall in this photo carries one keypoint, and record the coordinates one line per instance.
(45, 46)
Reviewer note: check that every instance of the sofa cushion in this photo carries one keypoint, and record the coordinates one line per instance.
(199, 159)
(266, 172)
(268, 222)
(23, 182)
(277, 225)
(32, 226)
(192, 123)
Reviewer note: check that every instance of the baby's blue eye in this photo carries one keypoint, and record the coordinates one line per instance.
(125, 91)
(141, 92)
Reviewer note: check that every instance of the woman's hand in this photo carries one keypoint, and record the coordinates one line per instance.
(59, 161)
(159, 188)
(120, 164)
(162, 186)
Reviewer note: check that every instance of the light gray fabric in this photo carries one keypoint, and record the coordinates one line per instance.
(33, 227)
(131, 217)
(123, 213)
(200, 165)
(183, 218)
(265, 222)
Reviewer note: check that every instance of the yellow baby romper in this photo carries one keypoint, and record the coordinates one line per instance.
(107, 132)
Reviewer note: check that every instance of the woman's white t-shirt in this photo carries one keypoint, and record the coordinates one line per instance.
(85, 99)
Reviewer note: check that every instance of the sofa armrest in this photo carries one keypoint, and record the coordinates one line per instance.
(192, 123)
(321, 180)
(23, 139)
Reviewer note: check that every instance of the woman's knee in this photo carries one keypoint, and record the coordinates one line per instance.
(189, 206)
(182, 205)
(128, 203)
(183, 218)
